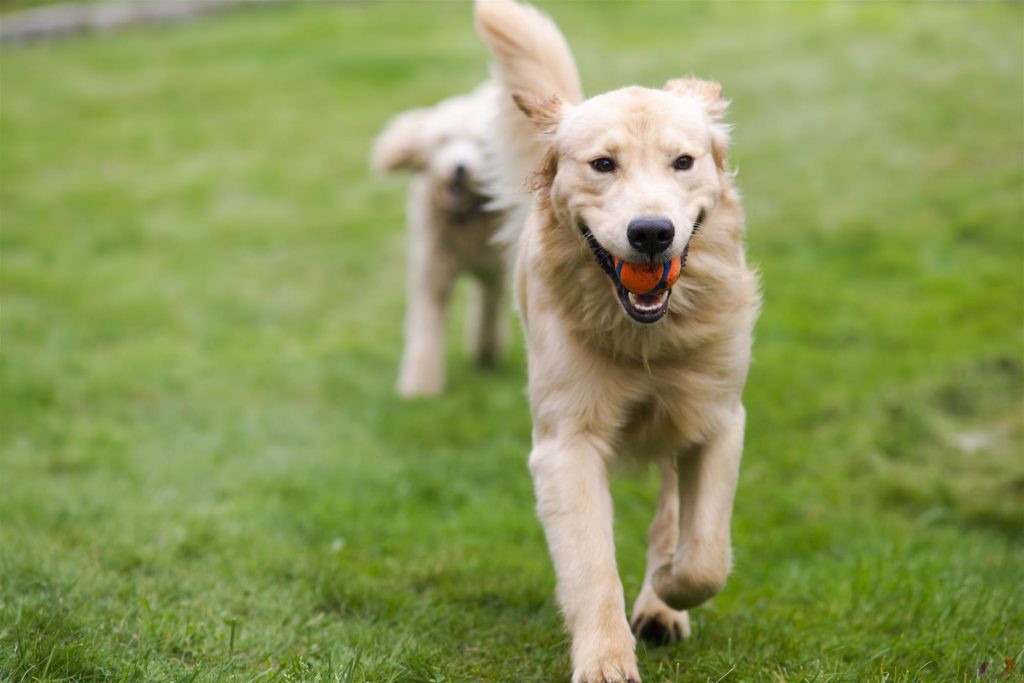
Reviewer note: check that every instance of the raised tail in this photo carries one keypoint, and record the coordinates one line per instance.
(530, 54)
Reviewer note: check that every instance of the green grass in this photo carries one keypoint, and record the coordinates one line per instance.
(204, 475)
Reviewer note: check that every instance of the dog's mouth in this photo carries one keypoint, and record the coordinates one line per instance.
(457, 191)
(460, 195)
(644, 308)
(461, 203)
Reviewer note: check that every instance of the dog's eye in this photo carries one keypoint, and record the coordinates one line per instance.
(683, 163)
(603, 165)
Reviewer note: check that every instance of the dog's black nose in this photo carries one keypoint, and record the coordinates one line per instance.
(650, 235)
(460, 173)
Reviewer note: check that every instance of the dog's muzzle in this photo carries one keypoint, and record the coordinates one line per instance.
(643, 308)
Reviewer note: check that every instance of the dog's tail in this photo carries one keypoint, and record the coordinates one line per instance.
(529, 54)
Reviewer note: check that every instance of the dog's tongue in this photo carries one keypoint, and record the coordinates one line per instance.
(648, 300)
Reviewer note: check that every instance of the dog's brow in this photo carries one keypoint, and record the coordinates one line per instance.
(639, 125)
(608, 146)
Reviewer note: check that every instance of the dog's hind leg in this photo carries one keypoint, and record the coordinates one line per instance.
(653, 620)
(485, 326)
(702, 559)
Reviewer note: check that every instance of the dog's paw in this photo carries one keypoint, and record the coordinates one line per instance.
(419, 387)
(656, 623)
(615, 665)
(661, 627)
(693, 584)
(606, 672)
(486, 358)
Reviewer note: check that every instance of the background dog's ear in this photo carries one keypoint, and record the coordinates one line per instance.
(709, 94)
(543, 112)
(401, 146)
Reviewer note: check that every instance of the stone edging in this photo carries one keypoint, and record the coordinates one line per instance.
(57, 21)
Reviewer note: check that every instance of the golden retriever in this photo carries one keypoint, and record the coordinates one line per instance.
(638, 175)
(450, 229)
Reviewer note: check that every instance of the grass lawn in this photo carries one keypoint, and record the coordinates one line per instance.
(205, 475)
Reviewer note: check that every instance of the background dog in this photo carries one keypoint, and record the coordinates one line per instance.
(450, 232)
(625, 180)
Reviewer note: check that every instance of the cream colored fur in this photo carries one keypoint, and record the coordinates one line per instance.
(602, 386)
(449, 232)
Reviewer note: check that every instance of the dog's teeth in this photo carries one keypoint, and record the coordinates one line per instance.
(649, 303)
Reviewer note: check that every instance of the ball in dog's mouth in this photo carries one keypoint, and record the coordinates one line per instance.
(644, 288)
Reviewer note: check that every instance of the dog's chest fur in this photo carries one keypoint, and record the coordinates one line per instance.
(465, 238)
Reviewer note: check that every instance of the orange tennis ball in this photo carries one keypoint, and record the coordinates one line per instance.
(647, 278)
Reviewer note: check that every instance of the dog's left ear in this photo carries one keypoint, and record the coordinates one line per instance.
(709, 94)
(543, 112)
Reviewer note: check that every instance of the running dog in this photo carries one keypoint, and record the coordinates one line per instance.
(636, 177)
(450, 231)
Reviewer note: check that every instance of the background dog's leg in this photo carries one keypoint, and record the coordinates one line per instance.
(575, 506)
(486, 319)
(429, 288)
(653, 620)
(707, 486)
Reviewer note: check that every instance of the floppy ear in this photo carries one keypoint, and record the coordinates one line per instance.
(543, 112)
(401, 147)
(709, 94)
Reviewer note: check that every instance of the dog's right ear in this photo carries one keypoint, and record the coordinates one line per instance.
(401, 146)
(543, 112)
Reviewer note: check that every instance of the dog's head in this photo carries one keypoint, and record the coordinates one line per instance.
(635, 171)
(444, 142)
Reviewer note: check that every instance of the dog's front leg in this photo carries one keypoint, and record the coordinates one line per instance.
(575, 507)
(422, 370)
(431, 277)
(707, 486)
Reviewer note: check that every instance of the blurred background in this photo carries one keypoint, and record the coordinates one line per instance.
(205, 475)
